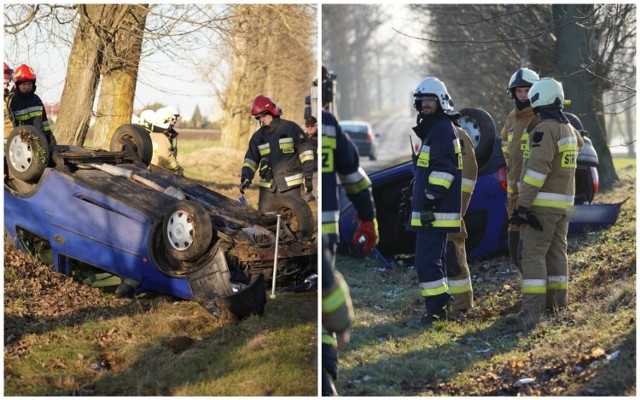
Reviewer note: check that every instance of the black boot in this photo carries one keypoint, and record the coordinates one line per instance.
(436, 309)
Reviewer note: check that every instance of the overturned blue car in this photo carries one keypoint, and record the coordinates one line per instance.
(486, 218)
(82, 209)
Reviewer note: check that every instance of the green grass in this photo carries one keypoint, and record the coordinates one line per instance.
(390, 354)
(624, 163)
(186, 147)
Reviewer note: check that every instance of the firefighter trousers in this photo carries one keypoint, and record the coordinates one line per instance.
(545, 266)
(329, 364)
(431, 265)
(458, 275)
(513, 235)
(163, 155)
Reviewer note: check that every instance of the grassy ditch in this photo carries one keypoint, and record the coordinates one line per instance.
(587, 349)
(63, 338)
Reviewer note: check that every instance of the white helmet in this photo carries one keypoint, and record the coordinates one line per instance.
(524, 77)
(165, 116)
(147, 117)
(545, 92)
(434, 87)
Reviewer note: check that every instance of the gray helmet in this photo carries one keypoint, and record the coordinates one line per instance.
(523, 77)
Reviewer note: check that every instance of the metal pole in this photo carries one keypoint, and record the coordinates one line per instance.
(275, 258)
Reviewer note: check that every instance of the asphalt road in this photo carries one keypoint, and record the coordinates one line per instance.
(394, 144)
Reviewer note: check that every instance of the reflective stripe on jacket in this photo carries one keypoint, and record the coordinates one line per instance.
(514, 142)
(438, 170)
(340, 160)
(289, 152)
(548, 176)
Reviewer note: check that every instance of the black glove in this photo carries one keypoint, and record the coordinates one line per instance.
(244, 183)
(426, 218)
(308, 183)
(529, 218)
(515, 219)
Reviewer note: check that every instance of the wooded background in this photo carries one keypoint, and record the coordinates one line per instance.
(475, 49)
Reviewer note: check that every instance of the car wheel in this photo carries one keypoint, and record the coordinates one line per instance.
(187, 230)
(296, 213)
(135, 138)
(482, 131)
(27, 153)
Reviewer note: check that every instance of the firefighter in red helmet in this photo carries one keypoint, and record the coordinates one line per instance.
(281, 153)
(26, 106)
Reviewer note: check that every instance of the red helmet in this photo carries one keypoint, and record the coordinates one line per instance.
(24, 73)
(8, 72)
(263, 104)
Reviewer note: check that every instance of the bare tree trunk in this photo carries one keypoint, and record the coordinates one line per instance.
(243, 85)
(119, 72)
(572, 54)
(272, 55)
(81, 80)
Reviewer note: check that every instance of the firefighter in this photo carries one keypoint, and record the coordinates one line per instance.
(8, 120)
(458, 274)
(436, 198)
(311, 128)
(340, 161)
(514, 141)
(160, 126)
(547, 188)
(280, 151)
(26, 106)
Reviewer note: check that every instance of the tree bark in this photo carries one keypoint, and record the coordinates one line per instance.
(272, 55)
(81, 79)
(119, 72)
(572, 55)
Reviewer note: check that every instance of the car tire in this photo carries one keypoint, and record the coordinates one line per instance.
(482, 131)
(295, 212)
(27, 153)
(187, 230)
(135, 138)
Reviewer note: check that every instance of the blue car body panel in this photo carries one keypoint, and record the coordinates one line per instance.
(93, 227)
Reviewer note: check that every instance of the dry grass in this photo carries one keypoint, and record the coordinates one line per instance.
(587, 349)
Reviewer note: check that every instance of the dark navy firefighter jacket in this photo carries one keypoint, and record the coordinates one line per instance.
(340, 160)
(438, 171)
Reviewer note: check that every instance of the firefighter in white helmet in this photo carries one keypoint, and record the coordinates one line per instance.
(547, 188)
(514, 141)
(436, 197)
(160, 125)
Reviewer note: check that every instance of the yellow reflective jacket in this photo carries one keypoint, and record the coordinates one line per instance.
(547, 183)
(514, 141)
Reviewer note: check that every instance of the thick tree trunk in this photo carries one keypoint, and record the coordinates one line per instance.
(572, 54)
(119, 72)
(271, 55)
(81, 80)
